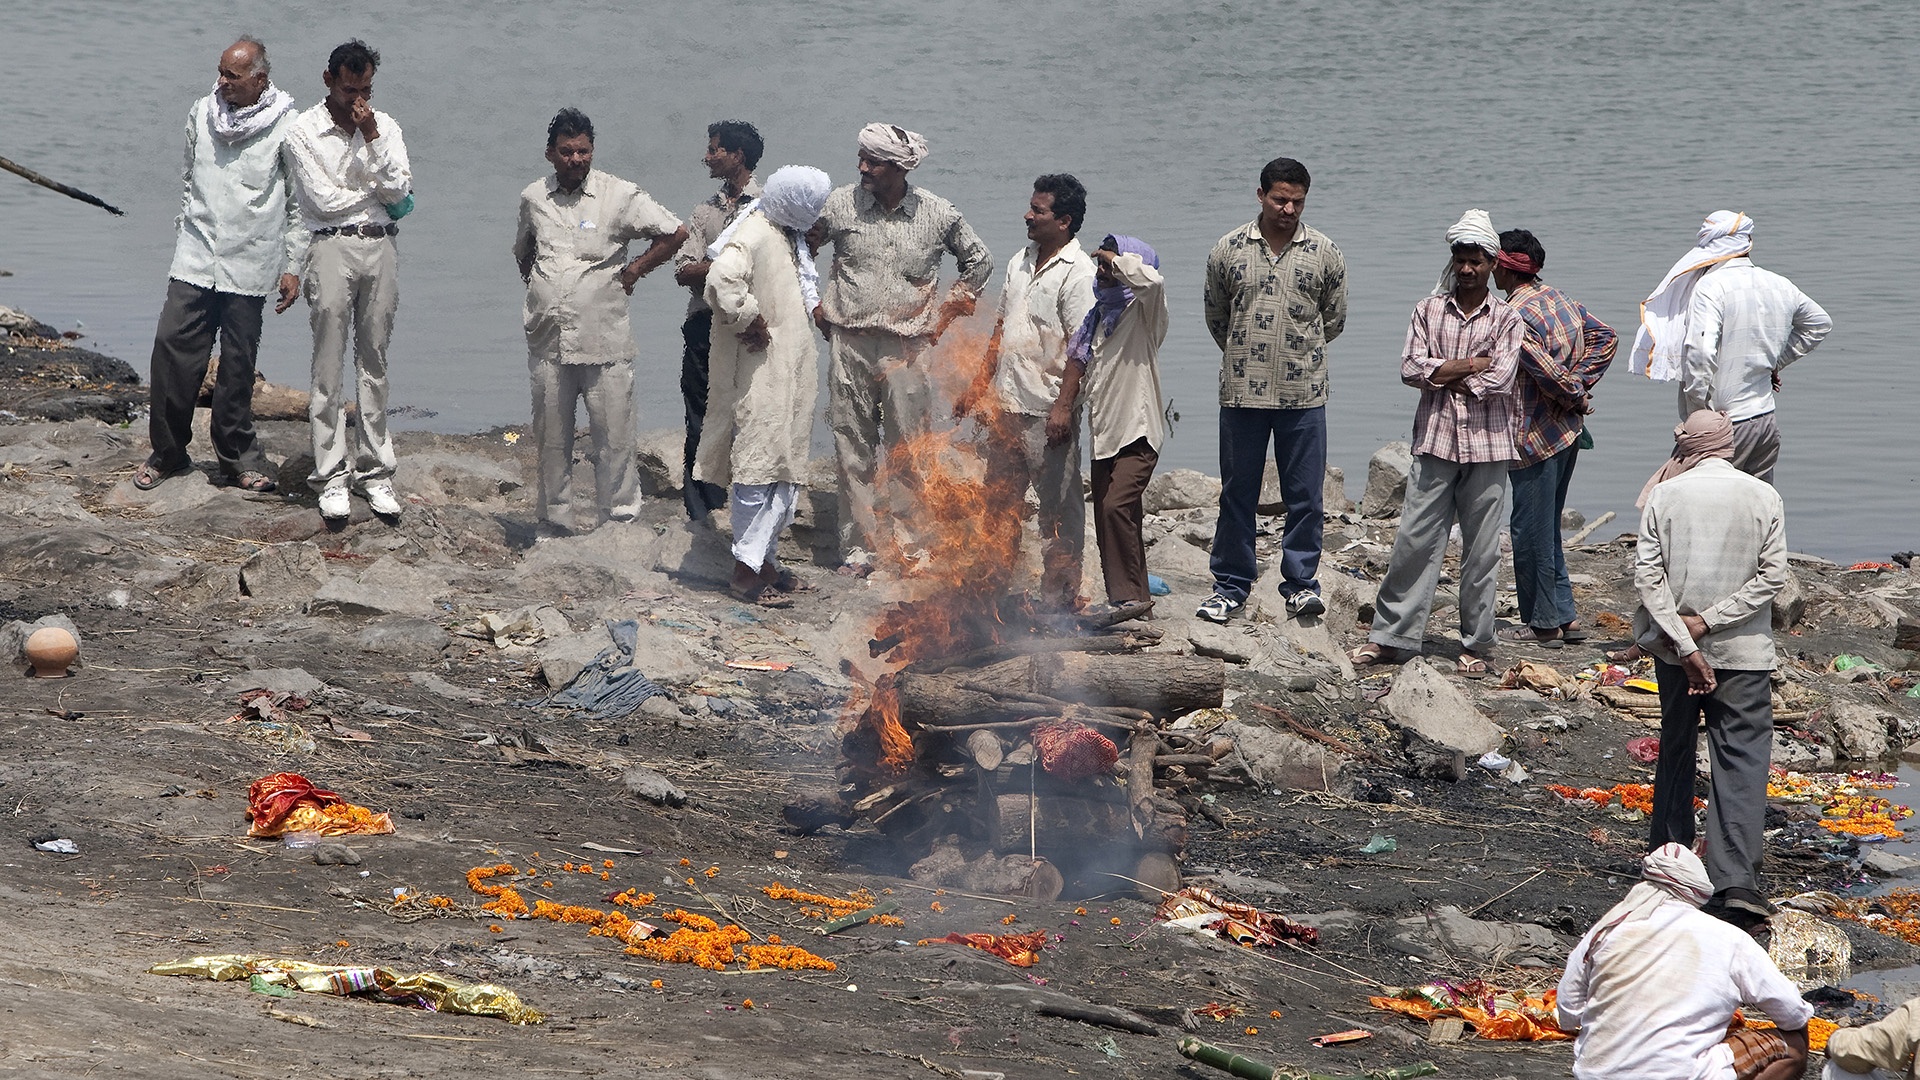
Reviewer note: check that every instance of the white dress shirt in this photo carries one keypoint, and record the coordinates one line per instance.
(340, 178)
(1743, 325)
(238, 229)
(1040, 309)
(1122, 387)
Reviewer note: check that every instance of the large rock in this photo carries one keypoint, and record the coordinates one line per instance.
(663, 655)
(1790, 603)
(1333, 491)
(402, 635)
(1861, 732)
(662, 454)
(345, 596)
(611, 559)
(1180, 489)
(1423, 701)
(653, 787)
(279, 680)
(439, 476)
(1387, 481)
(1448, 933)
(43, 504)
(292, 572)
(184, 492)
(562, 658)
(1284, 760)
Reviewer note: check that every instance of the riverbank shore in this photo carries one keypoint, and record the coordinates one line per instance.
(400, 657)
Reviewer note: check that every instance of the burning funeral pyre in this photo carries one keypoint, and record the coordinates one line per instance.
(1008, 748)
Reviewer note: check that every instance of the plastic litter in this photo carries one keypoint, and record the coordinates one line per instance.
(1493, 761)
(1379, 844)
(610, 687)
(60, 846)
(1157, 586)
(1645, 749)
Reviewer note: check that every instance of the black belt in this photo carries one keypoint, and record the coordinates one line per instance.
(372, 232)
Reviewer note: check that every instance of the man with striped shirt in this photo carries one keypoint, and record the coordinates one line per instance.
(1463, 350)
(1565, 352)
(881, 309)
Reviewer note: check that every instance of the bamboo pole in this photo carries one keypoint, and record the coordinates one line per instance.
(70, 192)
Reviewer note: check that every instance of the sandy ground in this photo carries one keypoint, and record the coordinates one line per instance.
(141, 761)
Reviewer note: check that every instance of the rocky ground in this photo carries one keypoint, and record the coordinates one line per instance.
(423, 706)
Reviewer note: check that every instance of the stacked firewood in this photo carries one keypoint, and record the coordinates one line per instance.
(1032, 763)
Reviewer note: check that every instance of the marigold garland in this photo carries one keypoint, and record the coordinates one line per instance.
(1632, 796)
(819, 905)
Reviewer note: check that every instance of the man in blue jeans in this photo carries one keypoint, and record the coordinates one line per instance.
(1276, 295)
(1565, 353)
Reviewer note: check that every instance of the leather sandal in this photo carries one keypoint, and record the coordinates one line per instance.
(149, 476)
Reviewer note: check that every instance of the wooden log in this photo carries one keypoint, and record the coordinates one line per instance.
(1021, 647)
(1061, 822)
(1906, 635)
(1161, 685)
(1144, 746)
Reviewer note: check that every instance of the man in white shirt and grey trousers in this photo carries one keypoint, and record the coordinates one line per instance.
(1712, 556)
(351, 175)
(239, 237)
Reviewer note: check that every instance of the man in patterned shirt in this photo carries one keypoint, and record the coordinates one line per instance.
(1565, 352)
(880, 309)
(733, 151)
(1276, 294)
(1463, 350)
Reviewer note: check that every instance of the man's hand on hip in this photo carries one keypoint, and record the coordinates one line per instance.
(289, 292)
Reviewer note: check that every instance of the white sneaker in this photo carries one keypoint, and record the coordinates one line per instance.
(380, 498)
(1218, 608)
(335, 504)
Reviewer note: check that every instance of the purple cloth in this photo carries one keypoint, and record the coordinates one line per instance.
(1108, 301)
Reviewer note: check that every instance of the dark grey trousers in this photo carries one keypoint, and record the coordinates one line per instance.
(1739, 719)
(181, 347)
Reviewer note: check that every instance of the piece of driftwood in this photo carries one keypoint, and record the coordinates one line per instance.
(69, 191)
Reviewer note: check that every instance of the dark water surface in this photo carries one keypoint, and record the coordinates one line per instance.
(1608, 128)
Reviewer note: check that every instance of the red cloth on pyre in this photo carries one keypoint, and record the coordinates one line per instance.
(1073, 751)
(289, 802)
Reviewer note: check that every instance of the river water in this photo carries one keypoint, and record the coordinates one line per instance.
(1609, 128)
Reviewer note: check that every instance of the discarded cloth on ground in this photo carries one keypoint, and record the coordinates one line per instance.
(1194, 907)
(424, 991)
(610, 687)
(1493, 1013)
(1020, 950)
(288, 802)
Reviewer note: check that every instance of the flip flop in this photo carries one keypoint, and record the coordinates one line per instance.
(1374, 654)
(254, 481)
(1574, 635)
(762, 595)
(1470, 666)
(149, 476)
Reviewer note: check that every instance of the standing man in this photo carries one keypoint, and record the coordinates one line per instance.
(351, 176)
(1463, 351)
(1276, 296)
(1048, 293)
(881, 308)
(571, 247)
(1116, 351)
(1565, 352)
(1712, 555)
(733, 152)
(240, 238)
(1726, 329)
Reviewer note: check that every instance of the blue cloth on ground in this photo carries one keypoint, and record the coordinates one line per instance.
(610, 687)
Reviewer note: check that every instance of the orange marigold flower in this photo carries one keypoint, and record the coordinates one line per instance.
(773, 939)
(1114, 921)
(747, 1003)
(1009, 920)
(887, 920)
(1275, 1013)
(604, 876)
(567, 866)
(657, 984)
(1253, 1031)
(608, 863)
(1079, 911)
(686, 862)
(713, 871)
(344, 943)
(546, 884)
(494, 928)
(937, 906)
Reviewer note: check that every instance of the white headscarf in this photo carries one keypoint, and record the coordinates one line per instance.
(1669, 872)
(792, 199)
(231, 125)
(891, 142)
(1726, 234)
(1474, 227)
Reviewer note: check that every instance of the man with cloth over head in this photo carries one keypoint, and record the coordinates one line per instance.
(762, 378)
(240, 238)
(1653, 986)
(1462, 354)
(1712, 555)
(878, 308)
(1565, 352)
(353, 181)
(1726, 329)
(571, 248)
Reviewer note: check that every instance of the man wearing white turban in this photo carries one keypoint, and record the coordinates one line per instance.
(762, 377)
(1726, 328)
(881, 308)
(1712, 555)
(1652, 988)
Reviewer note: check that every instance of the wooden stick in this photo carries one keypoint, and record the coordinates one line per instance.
(993, 654)
(236, 903)
(1580, 537)
(1306, 731)
(1028, 722)
(70, 192)
(1484, 904)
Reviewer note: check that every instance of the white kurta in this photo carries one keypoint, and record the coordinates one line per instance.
(759, 404)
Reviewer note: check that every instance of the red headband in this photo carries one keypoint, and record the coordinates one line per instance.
(1518, 261)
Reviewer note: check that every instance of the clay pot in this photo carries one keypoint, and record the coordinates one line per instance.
(51, 651)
